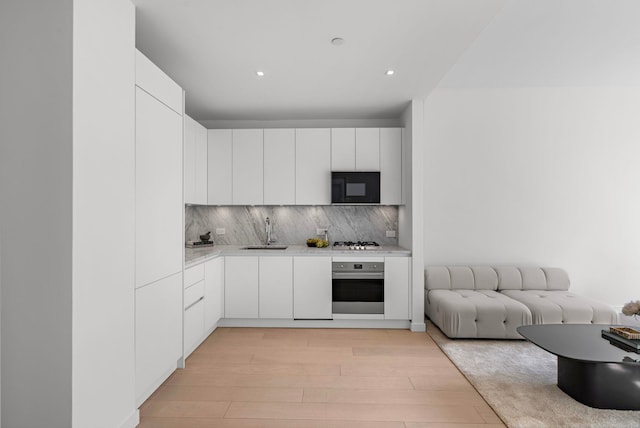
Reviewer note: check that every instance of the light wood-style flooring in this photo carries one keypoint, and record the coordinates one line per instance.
(272, 378)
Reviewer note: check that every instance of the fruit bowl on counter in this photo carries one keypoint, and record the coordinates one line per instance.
(316, 242)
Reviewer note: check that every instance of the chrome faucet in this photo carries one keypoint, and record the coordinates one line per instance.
(268, 230)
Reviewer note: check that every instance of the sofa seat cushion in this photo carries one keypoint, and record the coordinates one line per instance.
(476, 313)
(556, 307)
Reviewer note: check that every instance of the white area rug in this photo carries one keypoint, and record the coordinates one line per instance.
(518, 380)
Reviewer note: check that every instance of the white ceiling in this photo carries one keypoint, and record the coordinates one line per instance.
(212, 48)
(533, 43)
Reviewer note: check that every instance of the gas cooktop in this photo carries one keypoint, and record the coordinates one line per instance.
(359, 245)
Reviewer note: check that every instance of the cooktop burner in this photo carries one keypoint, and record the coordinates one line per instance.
(359, 245)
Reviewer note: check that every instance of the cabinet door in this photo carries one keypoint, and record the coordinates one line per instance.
(396, 288)
(189, 160)
(390, 166)
(367, 149)
(279, 167)
(313, 167)
(276, 287)
(213, 281)
(200, 165)
(156, 82)
(247, 167)
(219, 154)
(159, 204)
(241, 287)
(158, 333)
(312, 288)
(343, 149)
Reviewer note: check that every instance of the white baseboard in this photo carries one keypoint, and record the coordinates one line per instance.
(418, 327)
(285, 323)
(132, 421)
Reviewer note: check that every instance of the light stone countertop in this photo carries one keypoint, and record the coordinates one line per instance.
(195, 256)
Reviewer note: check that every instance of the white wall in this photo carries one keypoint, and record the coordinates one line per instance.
(542, 176)
(410, 224)
(35, 212)
(66, 217)
(103, 213)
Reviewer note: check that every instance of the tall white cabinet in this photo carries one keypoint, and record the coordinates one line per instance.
(158, 228)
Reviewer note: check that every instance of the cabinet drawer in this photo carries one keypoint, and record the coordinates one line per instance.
(193, 327)
(193, 294)
(193, 275)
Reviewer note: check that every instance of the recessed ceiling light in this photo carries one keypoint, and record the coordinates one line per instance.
(260, 73)
(337, 41)
(390, 72)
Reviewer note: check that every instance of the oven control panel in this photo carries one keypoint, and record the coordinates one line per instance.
(358, 267)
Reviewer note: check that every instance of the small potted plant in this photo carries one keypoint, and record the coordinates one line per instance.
(632, 309)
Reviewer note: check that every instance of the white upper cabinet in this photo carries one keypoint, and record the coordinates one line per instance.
(155, 82)
(367, 149)
(313, 166)
(279, 167)
(189, 160)
(201, 165)
(343, 149)
(391, 166)
(159, 203)
(195, 162)
(247, 167)
(219, 155)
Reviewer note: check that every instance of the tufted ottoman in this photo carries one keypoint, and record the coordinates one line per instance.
(463, 302)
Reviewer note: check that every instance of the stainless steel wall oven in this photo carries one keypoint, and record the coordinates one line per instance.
(358, 287)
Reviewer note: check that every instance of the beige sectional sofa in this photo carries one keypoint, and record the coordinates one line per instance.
(491, 302)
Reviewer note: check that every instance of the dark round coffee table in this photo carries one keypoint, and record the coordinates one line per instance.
(590, 369)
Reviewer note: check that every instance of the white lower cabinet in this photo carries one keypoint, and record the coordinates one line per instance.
(213, 282)
(312, 287)
(158, 333)
(276, 287)
(193, 317)
(396, 288)
(241, 287)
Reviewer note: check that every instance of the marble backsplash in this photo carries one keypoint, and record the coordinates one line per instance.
(291, 224)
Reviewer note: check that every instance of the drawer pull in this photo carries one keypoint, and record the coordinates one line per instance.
(194, 303)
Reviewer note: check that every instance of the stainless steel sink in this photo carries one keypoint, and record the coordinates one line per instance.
(265, 247)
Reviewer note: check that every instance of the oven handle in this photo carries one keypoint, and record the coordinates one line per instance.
(358, 275)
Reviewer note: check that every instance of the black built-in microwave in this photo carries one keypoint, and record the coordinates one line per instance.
(355, 187)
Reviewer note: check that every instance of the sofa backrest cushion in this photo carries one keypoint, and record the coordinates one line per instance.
(460, 278)
(495, 278)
